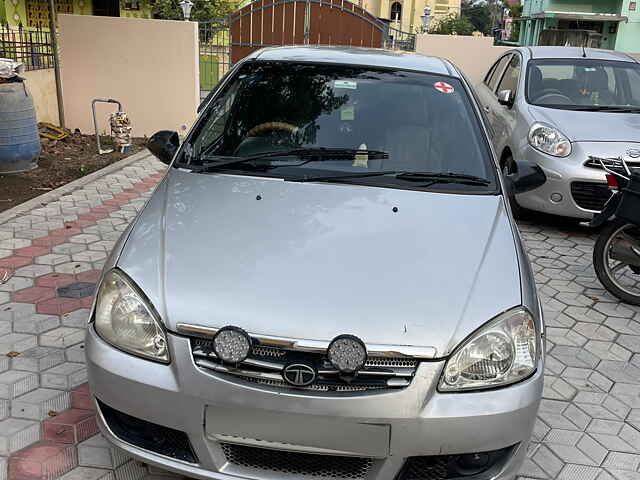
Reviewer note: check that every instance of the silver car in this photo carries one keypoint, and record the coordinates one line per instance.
(327, 284)
(557, 107)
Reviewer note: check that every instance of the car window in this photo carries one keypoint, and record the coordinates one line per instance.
(634, 85)
(487, 77)
(497, 74)
(511, 75)
(417, 118)
(582, 83)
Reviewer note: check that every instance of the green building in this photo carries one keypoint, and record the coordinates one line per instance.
(35, 13)
(616, 21)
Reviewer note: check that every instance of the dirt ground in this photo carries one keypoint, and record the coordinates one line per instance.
(60, 163)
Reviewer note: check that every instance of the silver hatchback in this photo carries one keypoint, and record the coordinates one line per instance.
(327, 284)
(557, 107)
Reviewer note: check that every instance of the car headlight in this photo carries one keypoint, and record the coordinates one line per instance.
(502, 352)
(550, 140)
(125, 319)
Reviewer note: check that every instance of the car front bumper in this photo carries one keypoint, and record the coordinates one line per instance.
(385, 427)
(556, 196)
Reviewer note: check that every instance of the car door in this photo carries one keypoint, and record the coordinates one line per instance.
(505, 116)
(487, 89)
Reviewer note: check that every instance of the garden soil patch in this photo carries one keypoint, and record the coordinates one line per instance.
(60, 163)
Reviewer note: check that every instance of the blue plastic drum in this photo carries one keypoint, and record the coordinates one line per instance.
(19, 139)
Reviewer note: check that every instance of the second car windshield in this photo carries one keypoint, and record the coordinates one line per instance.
(583, 83)
(425, 123)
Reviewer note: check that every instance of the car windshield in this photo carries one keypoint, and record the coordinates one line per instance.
(584, 84)
(416, 122)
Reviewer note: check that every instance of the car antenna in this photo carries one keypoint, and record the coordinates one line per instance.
(584, 52)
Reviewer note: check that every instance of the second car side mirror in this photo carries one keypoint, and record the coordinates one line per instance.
(528, 176)
(506, 97)
(163, 145)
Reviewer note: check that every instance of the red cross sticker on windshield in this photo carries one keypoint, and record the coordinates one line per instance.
(443, 87)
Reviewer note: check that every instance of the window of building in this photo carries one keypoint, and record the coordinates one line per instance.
(396, 11)
(38, 11)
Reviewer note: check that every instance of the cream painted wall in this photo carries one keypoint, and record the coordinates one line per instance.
(42, 86)
(151, 66)
(473, 55)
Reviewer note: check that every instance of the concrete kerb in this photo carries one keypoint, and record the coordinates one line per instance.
(70, 187)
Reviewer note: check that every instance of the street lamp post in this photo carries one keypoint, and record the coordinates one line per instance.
(426, 19)
(186, 6)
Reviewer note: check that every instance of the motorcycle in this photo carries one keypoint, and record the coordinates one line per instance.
(616, 254)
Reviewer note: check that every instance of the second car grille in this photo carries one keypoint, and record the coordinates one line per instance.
(294, 463)
(266, 364)
(590, 195)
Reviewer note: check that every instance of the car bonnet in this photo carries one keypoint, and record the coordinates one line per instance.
(316, 260)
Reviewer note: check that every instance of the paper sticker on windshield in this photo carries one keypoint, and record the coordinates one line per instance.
(443, 87)
(345, 84)
(347, 113)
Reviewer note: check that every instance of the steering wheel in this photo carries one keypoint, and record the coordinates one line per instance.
(553, 93)
(270, 127)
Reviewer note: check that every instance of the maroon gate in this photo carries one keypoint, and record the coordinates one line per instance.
(266, 23)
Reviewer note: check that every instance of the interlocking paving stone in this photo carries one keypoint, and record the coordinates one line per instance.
(40, 403)
(37, 359)
(16, 434)
(77, 290)
(14, 383)
(66, 376)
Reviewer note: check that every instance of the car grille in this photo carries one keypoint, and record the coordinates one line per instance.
(589, 195)
(611, 163)
(426, 468)
(301, 464)
(265, 366)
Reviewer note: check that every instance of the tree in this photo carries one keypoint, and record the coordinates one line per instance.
(452, 25)
(202, 11)
(516, 13)
(479, 14)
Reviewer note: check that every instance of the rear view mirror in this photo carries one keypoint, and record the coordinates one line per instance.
(528, 176)
(163, 145)
(505, 97)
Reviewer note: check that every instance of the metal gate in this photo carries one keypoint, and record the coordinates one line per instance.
(266, 23)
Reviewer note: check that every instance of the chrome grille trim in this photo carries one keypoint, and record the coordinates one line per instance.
(267, 367)
(611, 163)
(313, 346)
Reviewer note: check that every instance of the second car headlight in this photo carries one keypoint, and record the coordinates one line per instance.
(502, 352)
(549, 140)
(125, 319)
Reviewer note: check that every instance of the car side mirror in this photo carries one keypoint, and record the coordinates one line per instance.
(528, 176)
(163, 145)
(506, 97)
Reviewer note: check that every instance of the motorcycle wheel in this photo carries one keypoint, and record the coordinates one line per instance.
(617, 277)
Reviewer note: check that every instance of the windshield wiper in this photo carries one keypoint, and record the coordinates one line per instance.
(597, 108)
(446, 177)
(318, 154)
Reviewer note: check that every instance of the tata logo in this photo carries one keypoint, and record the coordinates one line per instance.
(299, 374)
(633, 152)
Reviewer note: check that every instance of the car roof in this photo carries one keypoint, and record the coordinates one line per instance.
(578, 52)
(370, 57)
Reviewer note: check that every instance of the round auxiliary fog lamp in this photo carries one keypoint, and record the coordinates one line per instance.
(347, 353)
(232, 345)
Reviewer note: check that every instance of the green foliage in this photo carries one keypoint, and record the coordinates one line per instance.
(479, 15)
(202, 11)
(516, 12)
(453, 25)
